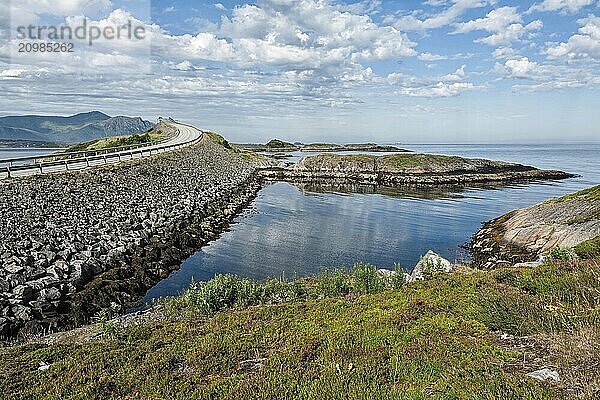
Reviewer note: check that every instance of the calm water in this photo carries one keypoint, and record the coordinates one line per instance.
(22, 152)
(296, 231)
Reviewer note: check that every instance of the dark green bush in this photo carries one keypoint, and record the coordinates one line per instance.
(366, 279)
(332, 283)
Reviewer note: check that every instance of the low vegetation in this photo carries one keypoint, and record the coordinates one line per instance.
(279, 144)
(117, 141)
(398, 162)
(341, 335)
(589, 249)
(591, 194)
(245, 154)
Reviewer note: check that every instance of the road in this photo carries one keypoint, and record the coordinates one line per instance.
(187, 135)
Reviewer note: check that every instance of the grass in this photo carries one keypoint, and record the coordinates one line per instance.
(116, 141)
(245, 154)
(591, 194)
(589, 249)
(336, 336)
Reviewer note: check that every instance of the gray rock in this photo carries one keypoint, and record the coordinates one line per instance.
(430, 264)
(544, 374)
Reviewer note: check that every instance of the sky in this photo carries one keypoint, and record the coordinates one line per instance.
(428, 71)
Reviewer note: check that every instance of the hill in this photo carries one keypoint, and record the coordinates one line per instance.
(68, 130)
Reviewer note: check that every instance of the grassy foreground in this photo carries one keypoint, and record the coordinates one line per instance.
(338, 336)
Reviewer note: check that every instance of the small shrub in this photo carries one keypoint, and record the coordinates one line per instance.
(109, 328)
(366, 279)
(397, 279)
(278, 291)
(558, 254)
(333, 283)
(431, 268)
(221, 292)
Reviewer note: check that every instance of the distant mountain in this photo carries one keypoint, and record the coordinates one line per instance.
(68, 130)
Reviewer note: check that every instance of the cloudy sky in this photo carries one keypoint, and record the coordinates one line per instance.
(451, 71)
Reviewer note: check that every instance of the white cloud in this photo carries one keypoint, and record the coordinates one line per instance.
(449, 85)
(444, 18)
(26, 12)
(458, 75)
(494, 21)
(431, 57)
(547, 76)
(169, 9)
(220, 6)
(522, 68)
(564, 6)
(185, 65)
(311, 33)
(504, 24)
(504, 53)
(441, 89)
(582, 46)
(362, 7)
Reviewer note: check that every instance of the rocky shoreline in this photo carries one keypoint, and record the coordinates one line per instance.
(76, 243)
(526, 234)
(405, 169)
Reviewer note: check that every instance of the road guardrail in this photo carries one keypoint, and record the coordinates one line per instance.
(38, 164)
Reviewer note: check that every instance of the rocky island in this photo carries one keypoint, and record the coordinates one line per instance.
(366, 147)
(405, 169)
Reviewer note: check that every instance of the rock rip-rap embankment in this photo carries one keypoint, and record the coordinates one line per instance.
(72, 244)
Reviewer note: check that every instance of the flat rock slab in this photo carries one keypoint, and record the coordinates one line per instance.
(525, 234)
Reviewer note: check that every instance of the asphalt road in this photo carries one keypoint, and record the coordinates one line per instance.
(187, 135)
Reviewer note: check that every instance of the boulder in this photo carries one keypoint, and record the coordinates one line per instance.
(430, 264)
(544, 374)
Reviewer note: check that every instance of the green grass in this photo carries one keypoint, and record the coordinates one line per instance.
(219, 139)
(591, 194)
(320, 338)
(245, 154)
(589, 249)
(117, 141)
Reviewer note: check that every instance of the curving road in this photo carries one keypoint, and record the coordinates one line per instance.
(187, 135)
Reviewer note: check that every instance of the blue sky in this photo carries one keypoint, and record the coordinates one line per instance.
(444, 71)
